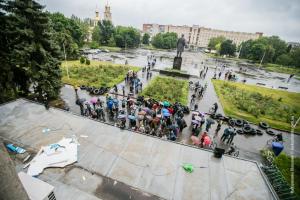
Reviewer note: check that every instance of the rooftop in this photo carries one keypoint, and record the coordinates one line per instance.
(119, 164)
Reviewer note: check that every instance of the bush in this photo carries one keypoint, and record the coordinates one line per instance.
(82, 59)
(87, 61)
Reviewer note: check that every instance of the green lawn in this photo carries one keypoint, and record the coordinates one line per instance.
(96, 74)
(282, 69)
(256, 104)
(170, 89)
(111, 49)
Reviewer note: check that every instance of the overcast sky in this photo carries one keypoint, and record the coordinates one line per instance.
(272, 17)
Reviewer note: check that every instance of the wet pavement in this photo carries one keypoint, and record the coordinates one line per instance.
(130, 165)
(249, 146)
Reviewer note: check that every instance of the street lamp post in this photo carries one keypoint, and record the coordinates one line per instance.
(66, 61)
(262, 59)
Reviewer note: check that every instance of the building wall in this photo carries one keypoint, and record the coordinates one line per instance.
(199, 36)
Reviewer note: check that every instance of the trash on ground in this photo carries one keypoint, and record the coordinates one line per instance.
(26, 158)
(46, 130)
(58, 154)
(84, 136)
(15, 149)
(188, 167)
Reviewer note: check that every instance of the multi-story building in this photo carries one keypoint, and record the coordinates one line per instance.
(199, 36)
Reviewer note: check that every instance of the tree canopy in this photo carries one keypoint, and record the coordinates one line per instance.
(29, 54)
(127, 37)
(165, 40)
(146, 38)
(227, 48)
(215, 42)
(275, 51)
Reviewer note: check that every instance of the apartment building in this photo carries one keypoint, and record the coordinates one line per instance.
(199, 36)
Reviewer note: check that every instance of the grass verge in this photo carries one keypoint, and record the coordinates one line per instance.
(170, 89)
(281, 69)
(96, 74)
(256, 104)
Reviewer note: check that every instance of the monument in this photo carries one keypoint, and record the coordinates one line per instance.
(181, 43)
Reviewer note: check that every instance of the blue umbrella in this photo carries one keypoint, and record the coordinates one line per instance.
(167, 114)
(131, 117)
(164, 110)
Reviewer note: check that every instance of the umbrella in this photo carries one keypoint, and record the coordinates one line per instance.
(94, 100)
(166, 114)
(195, 140)
(164, 110)
(121, 116)
(115, 100)
(82, 100)
(198, 118)
(195, 122)
(158, 116)
(131, 117)
(166, 103)
(210, 120)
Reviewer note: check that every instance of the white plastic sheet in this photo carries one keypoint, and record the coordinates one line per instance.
(59, 154)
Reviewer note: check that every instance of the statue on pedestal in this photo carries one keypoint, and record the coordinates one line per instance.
(181, 43)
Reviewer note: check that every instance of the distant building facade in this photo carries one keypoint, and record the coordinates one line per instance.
(94, 22)
(199, 36)
(107, 13)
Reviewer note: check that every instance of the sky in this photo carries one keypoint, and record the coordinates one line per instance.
(272, 17)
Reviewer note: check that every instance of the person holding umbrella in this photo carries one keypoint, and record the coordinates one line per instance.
(209, 122)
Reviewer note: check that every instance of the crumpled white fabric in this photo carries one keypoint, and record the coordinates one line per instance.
(58, 154)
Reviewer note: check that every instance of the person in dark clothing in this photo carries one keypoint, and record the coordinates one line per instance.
(226, 133)
(231, 136)
(218, 128)
(220, 74)
(215, 107)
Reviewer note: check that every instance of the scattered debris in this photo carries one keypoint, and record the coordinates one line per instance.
(188, 167)
(15, 149)
(84, 136)
(46, 130)
(59, 154)
(83, 178)
(26, 158)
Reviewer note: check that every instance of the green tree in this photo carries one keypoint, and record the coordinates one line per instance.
(295, 54)
(107, 31)
(146, 38)
(284, 59)
(213, 42)
(127, 37)
(67, 33)
(96, 35)
(32, 57)
(227, 48)
(165, 40)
